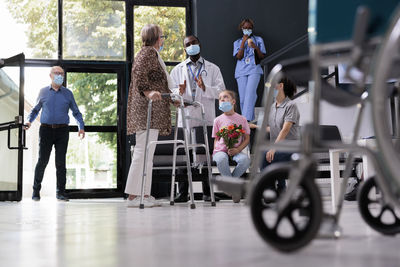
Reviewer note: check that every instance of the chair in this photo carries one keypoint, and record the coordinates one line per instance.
(331, 163)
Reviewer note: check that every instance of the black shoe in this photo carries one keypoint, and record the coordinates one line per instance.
(181, 198)
(35, 196)
(62, 197)
(351, 195)
(207, 198)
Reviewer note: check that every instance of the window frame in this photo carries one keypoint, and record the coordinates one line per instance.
(123, 69)
(187, 4)
(71, 67)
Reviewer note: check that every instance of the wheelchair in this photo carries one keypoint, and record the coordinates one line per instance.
(291, 220)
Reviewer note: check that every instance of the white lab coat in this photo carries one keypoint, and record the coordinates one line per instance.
(213, 82)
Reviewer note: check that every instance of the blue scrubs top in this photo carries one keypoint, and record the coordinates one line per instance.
(247, 65)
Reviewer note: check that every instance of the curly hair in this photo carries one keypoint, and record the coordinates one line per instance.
(244, 21)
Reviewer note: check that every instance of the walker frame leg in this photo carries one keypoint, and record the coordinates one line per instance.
(141, 205)
(189, 169)
(172, 201)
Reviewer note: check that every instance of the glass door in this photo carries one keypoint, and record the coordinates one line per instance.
(12, 133)
(94, 163)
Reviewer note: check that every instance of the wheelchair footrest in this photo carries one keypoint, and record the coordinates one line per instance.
(231, 185)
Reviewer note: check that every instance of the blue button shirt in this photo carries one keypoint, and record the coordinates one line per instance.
(55, 106)
(243, 68)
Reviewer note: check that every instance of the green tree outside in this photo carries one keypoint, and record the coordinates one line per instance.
(95, 30)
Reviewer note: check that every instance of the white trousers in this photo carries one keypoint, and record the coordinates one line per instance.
(134, 180)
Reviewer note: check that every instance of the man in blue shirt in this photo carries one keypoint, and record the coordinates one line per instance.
(54, 101)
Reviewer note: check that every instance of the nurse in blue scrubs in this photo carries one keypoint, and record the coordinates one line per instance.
(249, 51)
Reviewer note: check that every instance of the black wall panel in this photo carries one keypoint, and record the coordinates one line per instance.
(278, 22)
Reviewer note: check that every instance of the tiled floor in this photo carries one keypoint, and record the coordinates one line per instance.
(105, 233)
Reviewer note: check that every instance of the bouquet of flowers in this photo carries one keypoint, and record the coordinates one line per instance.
(231, 134)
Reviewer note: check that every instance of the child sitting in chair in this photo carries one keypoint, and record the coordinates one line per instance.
(232, 135)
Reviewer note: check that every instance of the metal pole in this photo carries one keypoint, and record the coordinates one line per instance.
(205, 134)
(141, 206)
(189, 170)
(171, 202)
(350, 159)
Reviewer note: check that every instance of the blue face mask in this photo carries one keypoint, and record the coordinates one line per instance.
(58, 79)
(225, 106)
(275, 93)
(161, 48)
(193, 50)
(247, 32)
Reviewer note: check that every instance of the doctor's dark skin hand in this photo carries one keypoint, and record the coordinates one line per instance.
(240, 54)
(191, 40)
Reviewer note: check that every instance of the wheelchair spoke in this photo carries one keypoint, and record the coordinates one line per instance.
(294, 225)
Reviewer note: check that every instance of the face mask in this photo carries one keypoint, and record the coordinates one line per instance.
(225, 106)
(161, 48)
(193, 50)
(247, 32)
(58, 79)
(275, 93)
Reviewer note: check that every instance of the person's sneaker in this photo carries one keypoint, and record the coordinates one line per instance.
(35, 196)
(154, 201)
(351, 194)
(236, 198)
(62, 197)
(133, 203)
(136, 202)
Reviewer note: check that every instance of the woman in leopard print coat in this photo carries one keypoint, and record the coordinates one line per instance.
(149, 80)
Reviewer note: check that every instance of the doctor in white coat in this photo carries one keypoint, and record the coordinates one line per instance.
(196, 79)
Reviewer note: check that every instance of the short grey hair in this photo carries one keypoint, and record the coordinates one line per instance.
(150, 34)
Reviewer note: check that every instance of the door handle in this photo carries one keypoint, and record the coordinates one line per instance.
(23, 137)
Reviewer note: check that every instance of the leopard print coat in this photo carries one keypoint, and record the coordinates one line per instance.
(148, 75)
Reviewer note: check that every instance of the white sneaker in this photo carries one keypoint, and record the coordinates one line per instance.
(152, 200)
(147, 202)
(133, 203)
(136, 202)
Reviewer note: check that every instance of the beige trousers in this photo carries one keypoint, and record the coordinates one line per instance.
(134, 180)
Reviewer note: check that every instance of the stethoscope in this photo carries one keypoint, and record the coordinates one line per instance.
(202, 71)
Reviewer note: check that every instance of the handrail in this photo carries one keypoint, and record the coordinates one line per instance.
(284, 49)
(306, 89)
(300, 94)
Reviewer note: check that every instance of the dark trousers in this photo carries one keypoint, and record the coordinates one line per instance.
(278, 157)
(47, 138)
(184, 187)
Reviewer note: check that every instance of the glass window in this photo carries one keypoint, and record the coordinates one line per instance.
(94, 30)
(92, 161)
(30, 27)
(96, 97)
(35, 79)
(172, 21)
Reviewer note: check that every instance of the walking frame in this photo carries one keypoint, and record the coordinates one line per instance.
(179, 144)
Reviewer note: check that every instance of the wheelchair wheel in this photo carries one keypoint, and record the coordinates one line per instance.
(375, 212)
(386, 69)
(298, 223)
